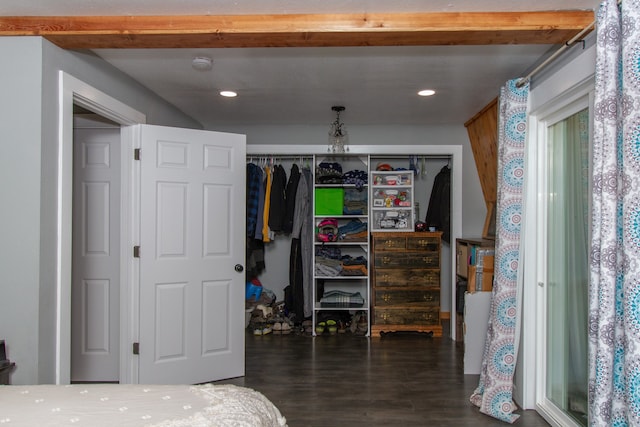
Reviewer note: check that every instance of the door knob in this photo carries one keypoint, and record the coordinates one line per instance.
(239, 268)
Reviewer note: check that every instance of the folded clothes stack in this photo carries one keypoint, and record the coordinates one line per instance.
(332, 252)
(355, 202)
(353, 230)
(338, 298)
(328, 267)
(354, 266)
(329, 173)
(356, 177)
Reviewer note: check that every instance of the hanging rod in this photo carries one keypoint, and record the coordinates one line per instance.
(562, 48)
(405, 156)
(373, 156)
(275, 158)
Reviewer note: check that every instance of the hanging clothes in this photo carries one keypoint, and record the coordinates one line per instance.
(277, 207)
(260, 220)
(254, 183)
(300, 298)
(439, 210)
(266, 232)
(254, 248)
(290, 198)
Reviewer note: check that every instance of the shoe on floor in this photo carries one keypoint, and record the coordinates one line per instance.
(286, 328)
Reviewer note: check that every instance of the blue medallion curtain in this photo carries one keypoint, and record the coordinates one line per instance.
(614, 288)
(494, 393)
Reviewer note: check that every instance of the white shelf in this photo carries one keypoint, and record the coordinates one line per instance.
(340, 186)
(354, 248)
(365, 307)
(342, 243)
(355, 216)
(392, 186)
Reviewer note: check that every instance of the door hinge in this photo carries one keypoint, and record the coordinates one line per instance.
(136, 251)
(136, 348)
(136, 154)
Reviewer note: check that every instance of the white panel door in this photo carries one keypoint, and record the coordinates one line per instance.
(95, 289)
(191, 256)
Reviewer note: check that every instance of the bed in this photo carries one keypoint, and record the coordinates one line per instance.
(125, 405)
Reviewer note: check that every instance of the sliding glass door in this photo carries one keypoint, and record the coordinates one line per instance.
(563, 367)
(567, 264)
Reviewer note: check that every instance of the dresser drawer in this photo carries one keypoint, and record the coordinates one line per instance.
(407, 316)
(389, 243)
(407, 298)
(424, 243)
(407, 259)
(402, 277)
(412, 242)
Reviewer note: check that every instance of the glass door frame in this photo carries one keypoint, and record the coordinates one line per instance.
(534, 285)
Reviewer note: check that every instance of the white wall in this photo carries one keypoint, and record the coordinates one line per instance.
(20, 153)
(28, 172)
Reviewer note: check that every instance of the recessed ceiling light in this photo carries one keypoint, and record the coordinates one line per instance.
(427, 92)
(202, 63)
(228, 93)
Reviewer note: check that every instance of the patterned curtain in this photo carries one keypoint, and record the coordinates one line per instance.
(494, 393)
(614, 289)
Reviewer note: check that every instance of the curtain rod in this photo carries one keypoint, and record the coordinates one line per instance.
(570, 43)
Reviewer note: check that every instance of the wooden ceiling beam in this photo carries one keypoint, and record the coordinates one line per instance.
(395, 29)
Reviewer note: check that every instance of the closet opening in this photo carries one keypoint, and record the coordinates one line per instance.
(316, 274)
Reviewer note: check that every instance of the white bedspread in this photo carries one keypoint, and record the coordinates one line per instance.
(124, 405)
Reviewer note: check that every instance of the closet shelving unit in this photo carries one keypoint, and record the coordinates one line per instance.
(392, 200)
(354, 248)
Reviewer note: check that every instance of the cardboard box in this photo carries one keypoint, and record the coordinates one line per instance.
(462, 261)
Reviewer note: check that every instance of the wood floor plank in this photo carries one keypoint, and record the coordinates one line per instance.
(346, 380)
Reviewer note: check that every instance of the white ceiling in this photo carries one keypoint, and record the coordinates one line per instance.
(377, 85)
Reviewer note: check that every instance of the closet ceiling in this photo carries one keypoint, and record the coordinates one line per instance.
(291, 60)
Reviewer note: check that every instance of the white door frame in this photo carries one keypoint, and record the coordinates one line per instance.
(533, 350)
(73, 91)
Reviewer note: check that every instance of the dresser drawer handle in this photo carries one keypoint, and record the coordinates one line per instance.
(423, 242)
(427, 316)
(390, 243)
(428, 297)
(385, 277)
(425, 259)
(386, 297)
(386, 260)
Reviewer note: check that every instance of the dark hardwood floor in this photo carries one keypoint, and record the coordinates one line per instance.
(348, 380)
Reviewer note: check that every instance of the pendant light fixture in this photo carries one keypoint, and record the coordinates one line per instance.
(338, 136)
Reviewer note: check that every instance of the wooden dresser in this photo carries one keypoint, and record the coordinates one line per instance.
(406, 282)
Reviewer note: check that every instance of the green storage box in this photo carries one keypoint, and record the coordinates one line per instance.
(329, 201)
